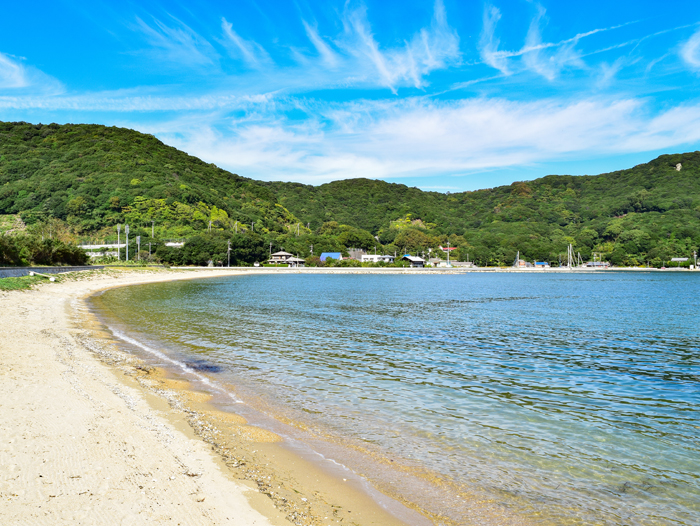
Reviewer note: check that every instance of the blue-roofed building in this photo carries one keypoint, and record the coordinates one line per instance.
(331, 255)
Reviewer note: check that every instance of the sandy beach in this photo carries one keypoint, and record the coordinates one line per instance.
(92, 436)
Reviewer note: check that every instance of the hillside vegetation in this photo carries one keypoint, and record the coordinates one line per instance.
(83, 180)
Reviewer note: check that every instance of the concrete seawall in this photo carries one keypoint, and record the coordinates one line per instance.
(16, 272)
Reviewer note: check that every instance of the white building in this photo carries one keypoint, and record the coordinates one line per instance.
(376, 258)
(285, 258)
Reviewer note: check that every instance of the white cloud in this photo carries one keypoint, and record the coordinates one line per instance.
(431, 48)
(179, 45)
(537, 55)
(249, 51)
(417, 137)
(547, 59)
(123, 101)
(609, 71)
(16, 77)
(12, 73)
(690, 51)
(330, 57)
(488, 44)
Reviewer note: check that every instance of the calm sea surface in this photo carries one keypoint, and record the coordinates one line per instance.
(572, 398)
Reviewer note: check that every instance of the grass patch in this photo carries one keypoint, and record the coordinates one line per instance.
(21, 283)
(10, 222)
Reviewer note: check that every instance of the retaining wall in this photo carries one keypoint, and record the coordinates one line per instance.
(15, 272)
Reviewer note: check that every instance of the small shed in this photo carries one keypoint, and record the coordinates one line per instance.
(331, 255)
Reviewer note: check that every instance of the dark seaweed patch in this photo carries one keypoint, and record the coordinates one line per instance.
(204, 366)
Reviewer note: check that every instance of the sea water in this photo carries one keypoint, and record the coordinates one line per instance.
(570, 398)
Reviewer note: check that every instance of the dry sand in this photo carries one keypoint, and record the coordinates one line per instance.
(90, 436)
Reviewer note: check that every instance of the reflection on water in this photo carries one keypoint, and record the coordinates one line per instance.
(576, 395)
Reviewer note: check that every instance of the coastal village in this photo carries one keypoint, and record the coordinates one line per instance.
(361, 256)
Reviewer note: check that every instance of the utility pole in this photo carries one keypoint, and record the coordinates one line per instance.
(695, 259)
(228, 251)
(252, 226)
(149, 250)
(209, 226)
(312, 250)
(236, 227)
(138, 245)
(119, 253)
(153, 229)
(126, 229)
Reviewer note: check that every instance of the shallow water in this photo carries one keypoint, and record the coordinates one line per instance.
(570, 397)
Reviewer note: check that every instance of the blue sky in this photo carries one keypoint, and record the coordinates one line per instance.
(447, 95)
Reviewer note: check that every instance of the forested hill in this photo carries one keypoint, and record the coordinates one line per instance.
(92, 177)
(651, 211)
(96, 176)
(556, 199)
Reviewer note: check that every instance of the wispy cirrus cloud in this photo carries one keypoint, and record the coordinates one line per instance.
(134, 100)
(431, 48)
(547, 59)
(16, 77)
(252, 53)
(536, 55)
(329, 56)
(353, 57)
(690, 51)
(177, 44)
(12, 73)
(489, 43)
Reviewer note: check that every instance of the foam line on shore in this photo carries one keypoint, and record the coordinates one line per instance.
(214, 386)
(183, 366)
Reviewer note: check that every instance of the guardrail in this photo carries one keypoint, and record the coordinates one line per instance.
(16, 272)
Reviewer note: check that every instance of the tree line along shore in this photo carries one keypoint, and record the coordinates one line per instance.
(63, 185)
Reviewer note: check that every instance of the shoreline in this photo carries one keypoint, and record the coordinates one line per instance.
(228, 484)
(398, 488)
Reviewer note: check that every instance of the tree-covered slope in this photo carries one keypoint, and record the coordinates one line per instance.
(649, 212)
(363, 203)
(556, 199)
(96, 176)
